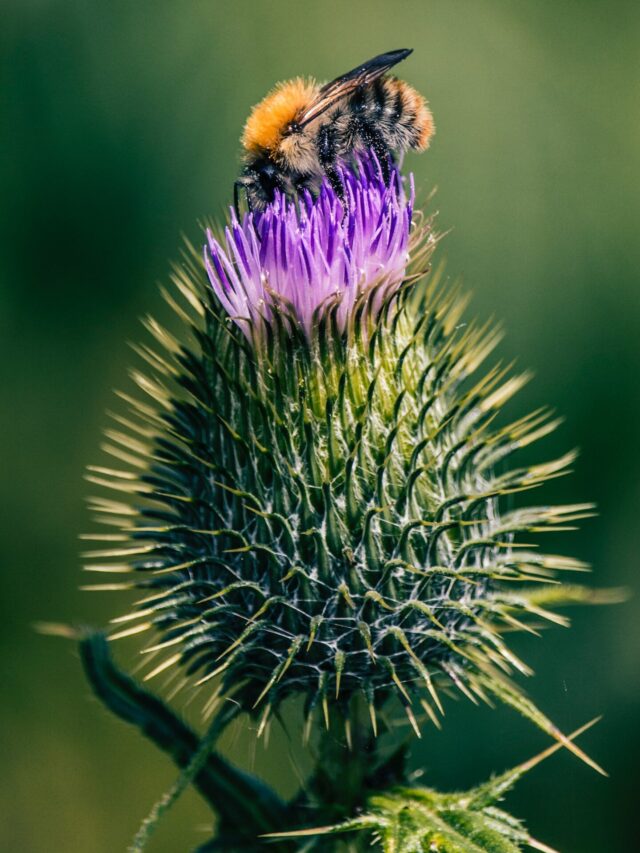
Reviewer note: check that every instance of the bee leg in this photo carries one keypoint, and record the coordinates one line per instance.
(327, 156)
(336, 184)
(236, 197)
(301, 184)
(374, 140)
(384, 157)
(237, 185)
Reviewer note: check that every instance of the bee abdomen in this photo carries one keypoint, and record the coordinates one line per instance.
(410, 124)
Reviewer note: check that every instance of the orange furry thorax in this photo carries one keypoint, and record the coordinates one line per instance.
(269, 119)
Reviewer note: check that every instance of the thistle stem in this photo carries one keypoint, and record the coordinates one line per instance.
(195, 765)
(346, 757)
(239, 799)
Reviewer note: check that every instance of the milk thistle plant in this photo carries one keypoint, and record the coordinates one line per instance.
(313, 498)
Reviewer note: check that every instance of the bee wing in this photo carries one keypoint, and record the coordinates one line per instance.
(343, 86)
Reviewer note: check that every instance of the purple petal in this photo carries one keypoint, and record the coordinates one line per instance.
(309, 251)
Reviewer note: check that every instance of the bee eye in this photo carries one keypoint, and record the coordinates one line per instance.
(293, 127)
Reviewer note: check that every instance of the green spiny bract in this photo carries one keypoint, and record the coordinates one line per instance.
(325, 516)
(421, 820)
(404, 819)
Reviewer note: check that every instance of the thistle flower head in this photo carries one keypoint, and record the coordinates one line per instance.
(325, 513)
(300, 258)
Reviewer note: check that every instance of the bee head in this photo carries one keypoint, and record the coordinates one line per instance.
(259, 182)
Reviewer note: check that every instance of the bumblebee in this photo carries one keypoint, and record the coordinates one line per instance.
(301, 131)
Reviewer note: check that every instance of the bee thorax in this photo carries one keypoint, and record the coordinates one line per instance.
(298, 153)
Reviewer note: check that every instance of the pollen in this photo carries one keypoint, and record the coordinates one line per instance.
(269, 119)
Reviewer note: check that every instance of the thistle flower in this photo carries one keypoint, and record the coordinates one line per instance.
(314, 499)
(299, 259)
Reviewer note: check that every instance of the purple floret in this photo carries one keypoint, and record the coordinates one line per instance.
(311, 254)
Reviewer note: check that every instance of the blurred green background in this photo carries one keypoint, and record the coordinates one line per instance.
(119, 124)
